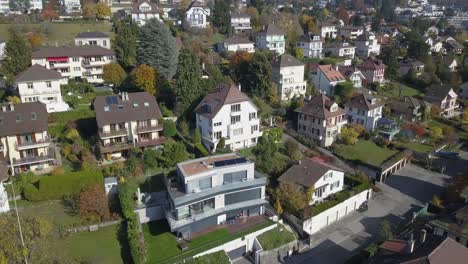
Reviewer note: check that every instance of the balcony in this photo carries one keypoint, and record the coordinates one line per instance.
(34, 159)
(152, 128)
(151, 142)
(33, 144)
(86, 63)
(115, 147)
(113, 133)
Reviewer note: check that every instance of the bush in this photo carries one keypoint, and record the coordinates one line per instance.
(170, 129)
(275, 134)
(150, 158)
(203, 151)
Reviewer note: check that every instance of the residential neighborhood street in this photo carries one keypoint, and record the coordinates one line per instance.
(404, 193)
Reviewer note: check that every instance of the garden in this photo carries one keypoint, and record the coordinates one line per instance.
(275, 238)
(366, 151)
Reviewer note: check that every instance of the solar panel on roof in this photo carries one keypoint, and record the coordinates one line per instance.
(229, 162)
(111, 100)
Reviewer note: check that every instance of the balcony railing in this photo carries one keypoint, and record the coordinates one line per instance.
(143, 129)
(113, 133)
(33, 159)
(115, 147)
(32, 144)
(151, 142)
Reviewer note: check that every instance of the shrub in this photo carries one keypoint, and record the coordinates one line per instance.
(203, 151)
(275, 134)
(150, 158)
(170, 129)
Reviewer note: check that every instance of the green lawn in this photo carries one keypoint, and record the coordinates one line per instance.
(419, 147)
(275, 238)
(58, 33)
(219, 257)
(365, 151)
(405, 91)
(100, 246)
(53, 210)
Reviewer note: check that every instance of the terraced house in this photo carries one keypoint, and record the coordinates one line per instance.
(127, 121)
(25, 143)
(211, 191)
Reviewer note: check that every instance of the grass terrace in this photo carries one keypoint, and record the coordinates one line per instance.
(366, 151)
(415, 146)
(54, 210)
(275, 238)
(158, 236)
(219, 257)
(394, 92)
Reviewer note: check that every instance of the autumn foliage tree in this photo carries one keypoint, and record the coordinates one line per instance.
(94, 203)
(50, 11)
(417, 129)
(35, 40)
(114, 74)
(144, 78)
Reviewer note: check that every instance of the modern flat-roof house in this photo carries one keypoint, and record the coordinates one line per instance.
(39, 84)
(364, 109)
(321, 120)
(311, 45)
(325, 179)
(373, 70)
(235, 44)
(197, 15)
(340, 49)
(443, 98)
(127, 121)
(212, 191)
(144, 10)
(288, 74)
(271, 38)
(25, 143)
(230, 114)
(328, 30)
(75, 62)
(367, 45)
(240, 22)
(93, 38)
(326, 78)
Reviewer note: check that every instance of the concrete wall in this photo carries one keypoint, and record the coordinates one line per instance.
(149, 214)
(335, 213)
(278, 254)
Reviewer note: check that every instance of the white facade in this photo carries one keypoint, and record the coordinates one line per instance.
(326, 79)
(311, 46)
(240, 23)
(143, 12)
(272, 40)
(35, 4)
(351, 32)
(367, 118)
(46, 91)
(4, 205)
(367, 46)
(4, 6)
(290, 81)
(328, 31)
(2, 50)
(99, 41)
(197, 16)
(331, 182)
(71, 6)
(111, 185)
(344, 50)
(235, 47)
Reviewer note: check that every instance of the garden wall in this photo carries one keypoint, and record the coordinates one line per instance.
(151, 213)
(277, 254)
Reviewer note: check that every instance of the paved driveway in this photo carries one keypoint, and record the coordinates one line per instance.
(404, 193)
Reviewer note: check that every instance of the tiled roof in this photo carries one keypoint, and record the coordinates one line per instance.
(37, 73)
(237, 40)
(319, 106)
(71, 51)
(436, 93)
(136, 7)
(271, 29)
(371, 64)
(213, 102)
(24, 118)
(330, 73)
(364, 102)
(91, 34)
(286, 60)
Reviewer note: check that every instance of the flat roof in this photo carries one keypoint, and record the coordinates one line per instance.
(196, 166)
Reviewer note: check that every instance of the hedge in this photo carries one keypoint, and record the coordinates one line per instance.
(202, 150)
(55, 187)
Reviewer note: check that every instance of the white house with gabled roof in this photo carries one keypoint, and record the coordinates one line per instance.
(288, 74)
(197, 15)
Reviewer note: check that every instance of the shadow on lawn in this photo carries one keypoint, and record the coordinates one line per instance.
(158, 227)
(123, 241)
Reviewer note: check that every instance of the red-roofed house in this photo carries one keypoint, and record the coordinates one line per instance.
(373, 70)
(326, 78)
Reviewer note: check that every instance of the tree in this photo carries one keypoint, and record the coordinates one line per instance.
(293, 150)
(17, 55)
(144, 78)
(258, 4)
(188, 87)
(173, 153)
(417, 129)
(348, 135)
(14, 99)
(291, 198)
(278, 207)
(264, 110)
(385, 232)
(417, 48)
(344, 90)
(389, 56)
(157, 48)
(150, 158)
(184, 128)
(34, 40)
(50, 11)
(435, 132)
(170, 129)
(114, 74)
(465, 115)
(94, 203)
(89, 10)
(255, 75)
(125, 43)
(20, 5)
(102, 10)
(221, 15)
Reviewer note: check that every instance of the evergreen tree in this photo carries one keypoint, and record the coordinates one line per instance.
(417, 48)
(389, 57)
(125, 43)
(157, 48)
(189, 87)
(17, 55)
(221, 16)
(20, 5)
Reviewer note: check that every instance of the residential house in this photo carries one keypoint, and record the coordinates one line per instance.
(197, 15)
(314, 174)
(75, 62)
(320, 120)
(453, 46)
(311, 45)
(4, 6)
(39, 84)
(364, 109)
(127, 121)
(435, 45)
(450, 62)
(387, 128)
(340, 49)
(230, 114)
(169, 11)
(408, 109)
(367, 45)
(373, 70)
(240, 22)
(353, 74)
(25, 143)
(93, 38)
(235, 44)
(413, 65)
(326, 78)
(443, 98)
(464, 91)
(144, 10)
(213, 191)
(328, 29)
(454, 226)
(71, 6)
(351, 32)
(271, 38)
(288, 74)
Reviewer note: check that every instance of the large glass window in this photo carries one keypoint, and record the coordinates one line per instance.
(233, 177)
(205, 183)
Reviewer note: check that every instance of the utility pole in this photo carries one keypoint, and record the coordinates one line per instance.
(18, 219)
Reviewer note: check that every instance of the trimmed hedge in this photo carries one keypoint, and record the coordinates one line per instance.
(55, 187)
(202, 150)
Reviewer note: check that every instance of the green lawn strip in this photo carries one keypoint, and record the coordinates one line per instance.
(247, 152)
(365, 151)
(219, 257)
(101, 246)
(461, 133)
(415, 146)
(53, 210)
(275, 238)
(64, 117)
(405, 91)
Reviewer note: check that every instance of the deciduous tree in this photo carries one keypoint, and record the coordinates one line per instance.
(94, 203)
(344, 90)
(173, 153)
(35, 40)
(17, 55)
(102, 10)
(50, 11)
(114, 74)
(348, 135)
(89, 10)
(255, 75)
(144, 78)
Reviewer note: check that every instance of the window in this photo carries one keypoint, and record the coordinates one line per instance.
(30, 85)
(75, 59)
(217, 124)
(49, 84)
(235, 108)
(205, 183)
(76, 69)
(234, 177)
(235, 119)
(18, 118)
(335, 185)
(104, 42)
(319, 192)
(253, 129)
(217, 135)
(238, 131)
(33, 116)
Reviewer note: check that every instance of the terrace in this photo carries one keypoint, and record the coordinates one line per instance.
(360, 152)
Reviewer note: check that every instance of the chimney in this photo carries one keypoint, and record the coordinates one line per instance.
(410, 245)
(423, 236)
(12, 106)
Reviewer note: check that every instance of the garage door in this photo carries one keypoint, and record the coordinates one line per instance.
(236, 253)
